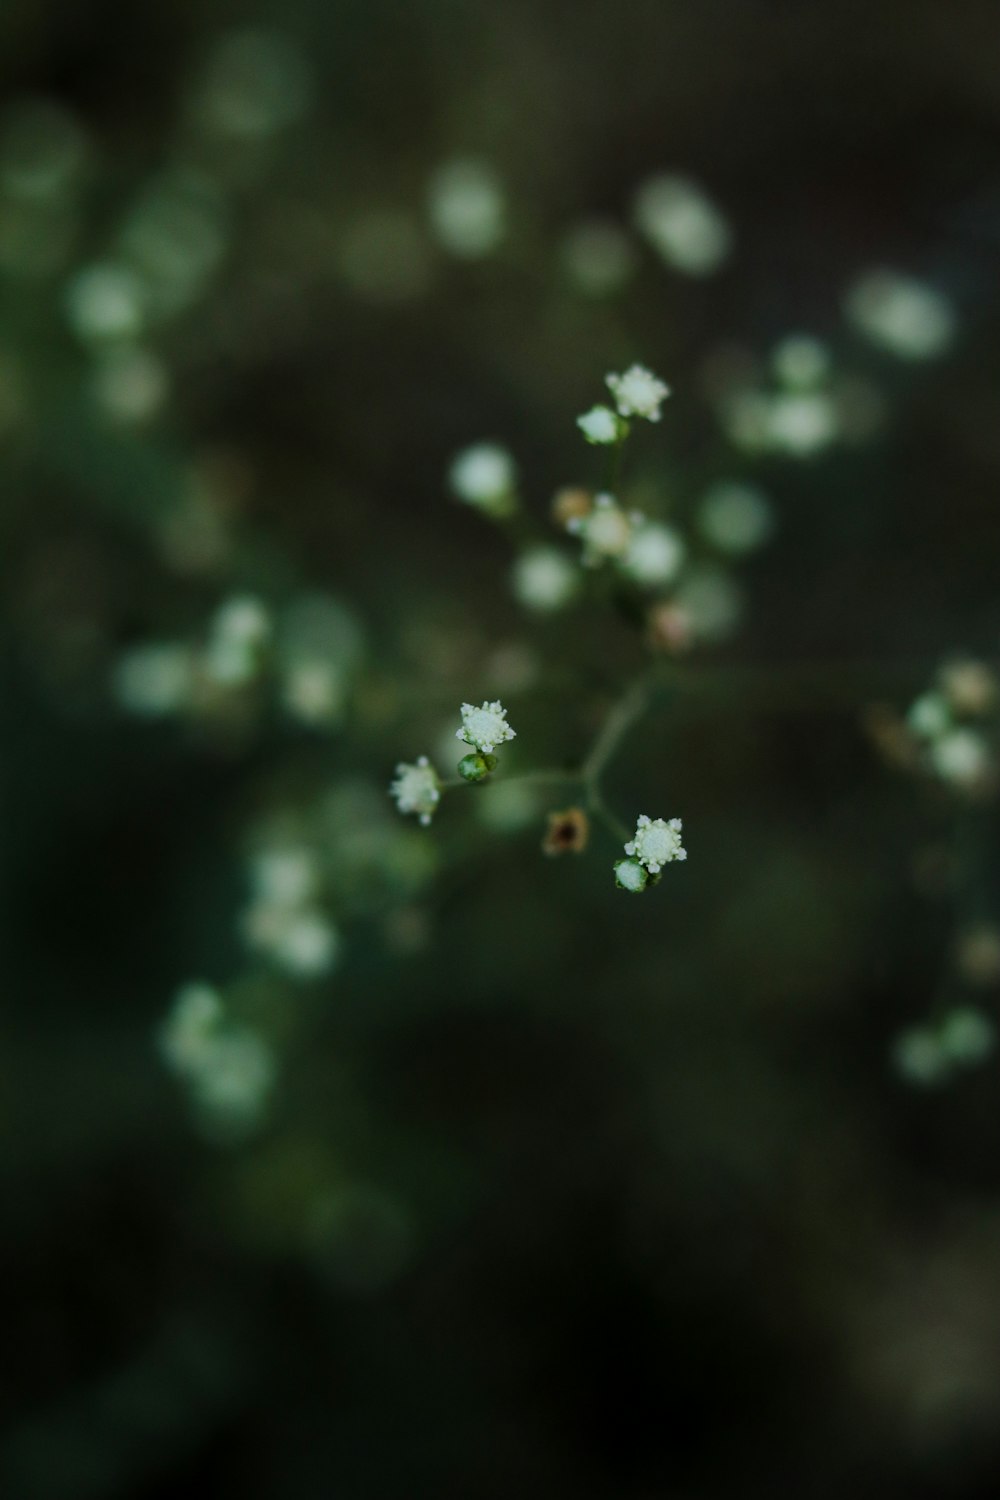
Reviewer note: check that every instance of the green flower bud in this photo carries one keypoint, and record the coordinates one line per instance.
(476, 767)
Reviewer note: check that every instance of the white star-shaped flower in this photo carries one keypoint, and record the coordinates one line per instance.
(656, 843)
(600, 425)
(416, 789)
(638, 393)
(486, 727)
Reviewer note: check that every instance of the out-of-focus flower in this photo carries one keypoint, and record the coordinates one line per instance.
(600, 425)
(682, 224)
(638, 393)
(605, 531)
(545, 579)
(466, 208)
(900, 314)
(417, 789)
(654, 554)
(484, 476)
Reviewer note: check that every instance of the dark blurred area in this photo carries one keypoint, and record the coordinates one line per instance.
(497, 1180)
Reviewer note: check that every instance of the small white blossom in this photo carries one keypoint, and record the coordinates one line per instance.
(189, 1029)
(605, 531)
(466, 208)
(544, 579)
(682, 224)
(416, 789)
(654, 555)
(800, 360)
(961, 757)
(242, 621)
(656, 843)
(802, 423)
(968, 1036)
(919, 1058)
(638, 393)
(929, 717)
(155, 679)
(900, 314)
(484, 476)
(599, 425)
(486, 727)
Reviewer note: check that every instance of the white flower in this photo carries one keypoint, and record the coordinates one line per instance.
(917, 1055)
(155, 679)
(484, 476)
(466, 207)
(191, 1026)
(638, 393)
(544, 579)
(928, 717)
(800, 360)
(630, 875)
(655, 553)
(802, 423)
(242, 620)
(682, 224)
(902, 315)
(968, 1036)
(606, 530)
(486, 727)
(962, 757)
(656, 843)
(237, 1075)
(599, 425)
(416, 789)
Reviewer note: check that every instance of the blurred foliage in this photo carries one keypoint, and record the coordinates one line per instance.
(490, 1177)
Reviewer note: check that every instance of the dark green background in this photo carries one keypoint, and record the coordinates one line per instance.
(639, 1209)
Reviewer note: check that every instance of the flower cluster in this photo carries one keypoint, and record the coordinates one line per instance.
(656, 843)
(484, 727)
(951, 730)
(228, 1067)
(417, 789)
(638, 393)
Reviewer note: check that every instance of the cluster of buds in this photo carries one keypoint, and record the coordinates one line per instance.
(655, 843)
(951, 730)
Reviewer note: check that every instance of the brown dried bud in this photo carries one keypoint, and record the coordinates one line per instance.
(571, 505)
(567, 832)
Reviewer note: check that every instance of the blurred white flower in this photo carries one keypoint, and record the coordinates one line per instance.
(484, 476)
(900, 314)
(417, 789)
(544, 579)
(605, 530)
(682, 224)
(155, 679)
(654, 554)
(638, 393)
(466, 208)
(599, 425)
